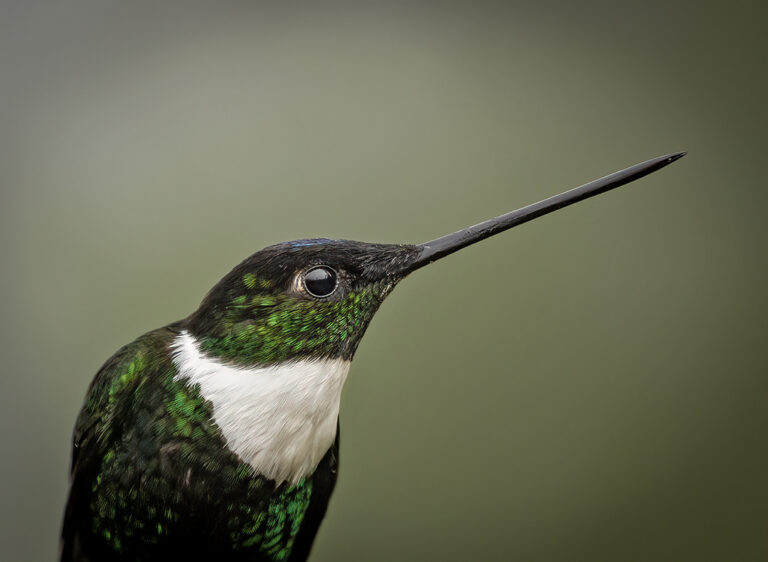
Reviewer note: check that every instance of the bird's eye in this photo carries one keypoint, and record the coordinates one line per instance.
(320, 281)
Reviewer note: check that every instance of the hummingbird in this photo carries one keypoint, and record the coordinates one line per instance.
(216, 437)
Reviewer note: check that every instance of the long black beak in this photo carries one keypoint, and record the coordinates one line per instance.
(441, 247)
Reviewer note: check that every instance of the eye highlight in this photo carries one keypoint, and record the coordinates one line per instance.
(320, 281)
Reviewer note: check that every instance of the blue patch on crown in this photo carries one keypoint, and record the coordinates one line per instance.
(308, 242)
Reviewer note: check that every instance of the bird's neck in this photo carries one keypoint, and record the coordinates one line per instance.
(279, 419)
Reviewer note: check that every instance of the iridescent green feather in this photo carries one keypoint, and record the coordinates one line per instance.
(165, 455)
(261, 326)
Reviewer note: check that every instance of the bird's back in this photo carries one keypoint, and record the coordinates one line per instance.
(152, 477)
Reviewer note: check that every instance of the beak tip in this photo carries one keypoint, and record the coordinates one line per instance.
(676, 156)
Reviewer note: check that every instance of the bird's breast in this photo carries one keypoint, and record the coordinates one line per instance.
(280, 419)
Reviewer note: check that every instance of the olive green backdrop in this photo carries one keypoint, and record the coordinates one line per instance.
(588, 387)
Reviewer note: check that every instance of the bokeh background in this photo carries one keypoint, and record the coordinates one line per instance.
(591, 386)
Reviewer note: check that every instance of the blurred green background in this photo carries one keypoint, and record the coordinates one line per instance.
(590, 386)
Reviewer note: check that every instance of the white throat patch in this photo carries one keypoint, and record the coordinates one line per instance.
(281, 420)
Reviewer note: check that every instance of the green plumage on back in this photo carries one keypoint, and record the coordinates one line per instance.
(164, 468)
